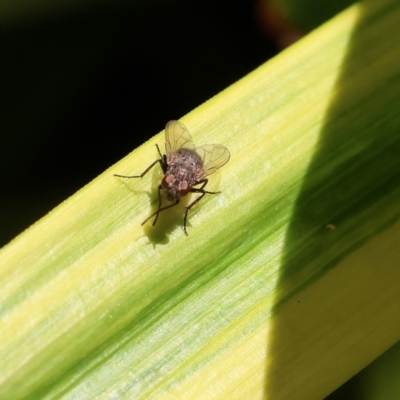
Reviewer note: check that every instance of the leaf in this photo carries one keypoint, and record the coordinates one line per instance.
(287, 284)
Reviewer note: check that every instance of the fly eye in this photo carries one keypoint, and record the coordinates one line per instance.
(167, 180)
(184, 189)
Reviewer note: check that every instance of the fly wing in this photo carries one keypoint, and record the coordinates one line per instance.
(214, 156)
(177, 136)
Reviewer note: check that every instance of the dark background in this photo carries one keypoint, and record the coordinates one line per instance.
(84, 86)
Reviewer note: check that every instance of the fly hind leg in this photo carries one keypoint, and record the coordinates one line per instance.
(163, 163)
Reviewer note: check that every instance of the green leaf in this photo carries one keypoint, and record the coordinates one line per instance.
(287, 284)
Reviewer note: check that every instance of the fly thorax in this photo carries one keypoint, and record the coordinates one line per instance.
(185, 165)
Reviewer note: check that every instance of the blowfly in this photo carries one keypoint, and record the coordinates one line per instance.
(185, 168)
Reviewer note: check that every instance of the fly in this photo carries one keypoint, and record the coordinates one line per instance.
(185, 168)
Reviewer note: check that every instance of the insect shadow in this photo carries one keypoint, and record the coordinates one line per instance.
(185, 168)
(167, 222)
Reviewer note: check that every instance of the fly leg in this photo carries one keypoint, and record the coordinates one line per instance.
(159, 208)
(162, 160)
(203, 193)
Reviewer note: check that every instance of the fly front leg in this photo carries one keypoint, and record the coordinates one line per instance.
(196, 190)
(201, 188)
(159, 207)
